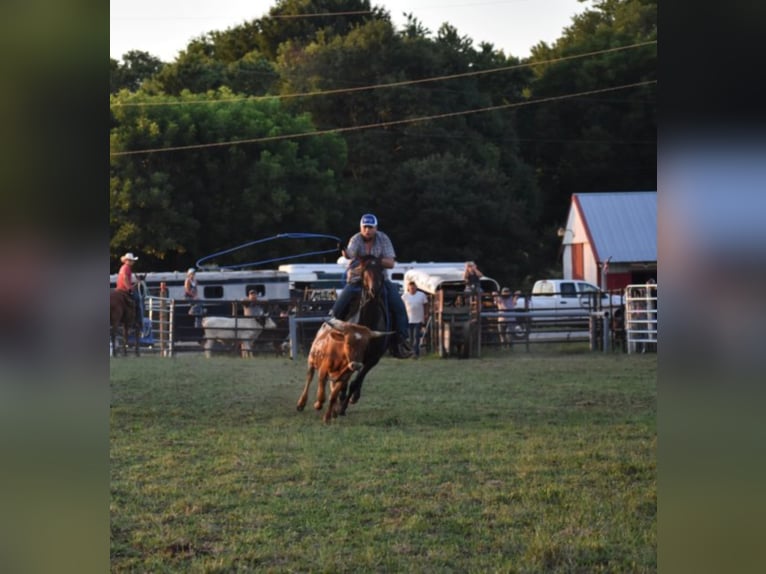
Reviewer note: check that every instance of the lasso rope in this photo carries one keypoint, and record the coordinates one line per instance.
(200, 262)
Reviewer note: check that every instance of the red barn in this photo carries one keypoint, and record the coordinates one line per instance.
(610, 238)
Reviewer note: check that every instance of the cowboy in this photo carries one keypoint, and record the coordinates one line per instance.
(126, 282)
(371, 241)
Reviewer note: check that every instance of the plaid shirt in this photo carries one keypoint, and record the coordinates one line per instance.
(380, 246)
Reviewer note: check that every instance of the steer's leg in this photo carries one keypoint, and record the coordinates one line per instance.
(328, 415)
(305, 394)
(338, 394)
(321, 382)
(335, 390)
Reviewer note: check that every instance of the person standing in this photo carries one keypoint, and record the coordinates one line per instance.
(505, 302)
(370, 241)
(471, 276)
(251, 307)
(416, 303)
(190, 284)
(190, 294)
(126, 282)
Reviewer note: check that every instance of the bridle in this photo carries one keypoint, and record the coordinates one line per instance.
(372, 280)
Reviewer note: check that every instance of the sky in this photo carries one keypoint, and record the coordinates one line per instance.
(164, 27)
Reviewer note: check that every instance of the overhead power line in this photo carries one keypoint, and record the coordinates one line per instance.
(385, 124)
(316, 14)
(387, 85)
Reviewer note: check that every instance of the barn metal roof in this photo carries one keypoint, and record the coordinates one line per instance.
(621, 225)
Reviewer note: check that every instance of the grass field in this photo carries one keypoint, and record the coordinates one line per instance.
(525, 462)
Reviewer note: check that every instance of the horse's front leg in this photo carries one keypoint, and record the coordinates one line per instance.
(355, 392)
(139, 329)
(125, 340)
(346, 394)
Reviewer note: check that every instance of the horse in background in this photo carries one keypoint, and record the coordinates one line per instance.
(122, 313)
(373, 313)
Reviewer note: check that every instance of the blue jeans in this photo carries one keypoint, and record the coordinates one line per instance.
(396, 306)
(138, 304)
(415, 334)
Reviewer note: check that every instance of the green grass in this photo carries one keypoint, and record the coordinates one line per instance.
(524, 462)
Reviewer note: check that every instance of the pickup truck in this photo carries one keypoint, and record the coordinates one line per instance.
(558, 298)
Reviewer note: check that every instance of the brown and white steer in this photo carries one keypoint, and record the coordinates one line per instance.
(241, 330)
(337, 352)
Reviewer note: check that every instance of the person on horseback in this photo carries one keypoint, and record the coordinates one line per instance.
(127, 283)
(371, 241)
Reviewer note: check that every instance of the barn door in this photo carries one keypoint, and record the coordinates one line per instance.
(578, 261)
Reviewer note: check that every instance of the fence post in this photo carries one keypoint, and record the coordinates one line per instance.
(163, 317)
(293, 334)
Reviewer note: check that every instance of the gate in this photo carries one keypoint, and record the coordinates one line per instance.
(641, 318)
(159, 320)
(457, 323)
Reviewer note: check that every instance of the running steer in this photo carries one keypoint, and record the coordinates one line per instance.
(337, 352)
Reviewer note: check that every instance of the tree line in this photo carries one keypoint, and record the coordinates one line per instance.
(284, 125)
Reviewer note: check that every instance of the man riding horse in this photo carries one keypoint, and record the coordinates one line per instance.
(370, 241)
(127, 284)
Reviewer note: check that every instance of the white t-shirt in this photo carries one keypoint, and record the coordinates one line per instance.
(414, 302)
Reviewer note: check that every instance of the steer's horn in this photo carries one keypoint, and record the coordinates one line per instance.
(381, 333)
(336, 323)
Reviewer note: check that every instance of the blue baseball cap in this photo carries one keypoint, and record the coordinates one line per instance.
(369, 219)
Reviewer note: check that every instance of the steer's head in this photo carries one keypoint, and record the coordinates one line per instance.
(355, 340)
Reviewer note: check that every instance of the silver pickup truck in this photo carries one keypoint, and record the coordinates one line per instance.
(569, 296)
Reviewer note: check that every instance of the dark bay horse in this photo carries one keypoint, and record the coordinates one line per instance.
(122, 313)
(373, 313)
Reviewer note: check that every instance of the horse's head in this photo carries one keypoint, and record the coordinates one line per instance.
(373, 275)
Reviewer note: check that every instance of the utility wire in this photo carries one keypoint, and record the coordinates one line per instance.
(316, 14)
(385, 124)
(391, 84)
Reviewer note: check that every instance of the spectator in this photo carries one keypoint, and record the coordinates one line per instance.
(190, 294)
(416, 304)
(251, 307)
(471, 276)
(190, 284)
(505, 302)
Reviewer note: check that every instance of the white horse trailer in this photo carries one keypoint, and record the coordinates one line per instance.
(213, 286)
(219, 293)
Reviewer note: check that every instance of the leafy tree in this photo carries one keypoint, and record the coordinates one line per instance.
(599, 142)
(282, 24)
(196, 69)
(466, 183)
(136, 67)
(177, 206)
(380, 173)
(458, 209)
